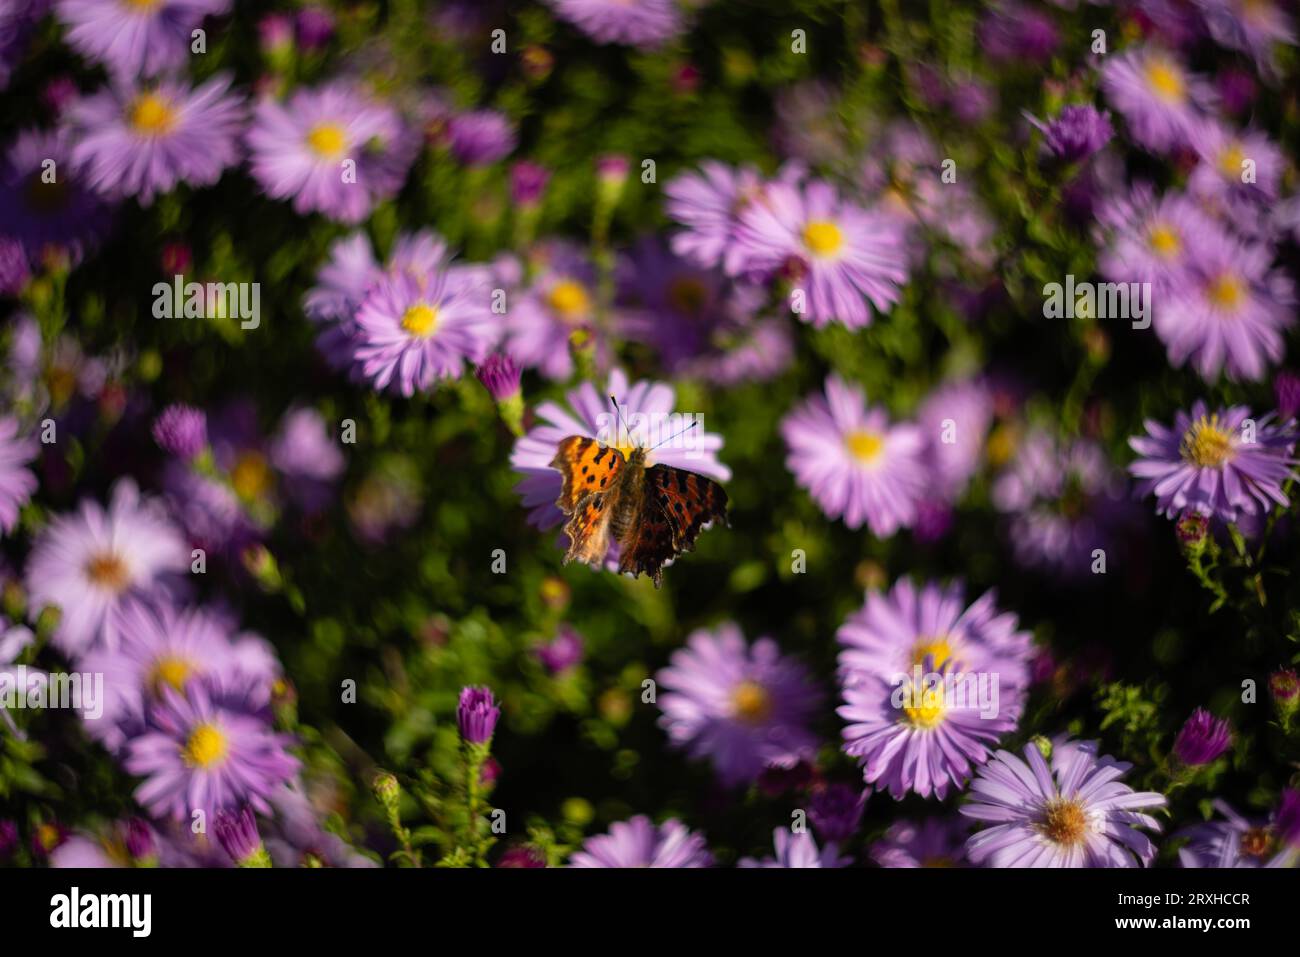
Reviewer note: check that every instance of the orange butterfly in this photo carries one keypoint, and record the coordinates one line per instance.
(653, 513)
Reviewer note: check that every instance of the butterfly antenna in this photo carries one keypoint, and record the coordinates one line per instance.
(619, 413)
(682, 432)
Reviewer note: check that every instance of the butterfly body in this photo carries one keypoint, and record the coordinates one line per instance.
(654, 512)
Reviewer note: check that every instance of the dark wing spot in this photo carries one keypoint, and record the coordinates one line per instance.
(599, 455)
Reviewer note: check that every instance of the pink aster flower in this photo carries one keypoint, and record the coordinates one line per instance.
(17, 483)
(797, 850)
(854, 462)
(135, 37)
(640, 23)
(638, 842)
(1159, 99)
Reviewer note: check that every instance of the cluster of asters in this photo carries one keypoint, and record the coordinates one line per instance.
(750, 257)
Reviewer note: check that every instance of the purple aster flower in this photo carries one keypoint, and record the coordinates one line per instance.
(63, 213)
(797, 850)
(89, 562)
(708, 203)
(211, 749)
(643, 405)
(926, 731)
(17, 22)
(639, 23)
(1075, 813)
(294, 837)
(1234, 842)
(558, 304)
(181, 430)
(477, 715)
(1160, 101)
(17, 483)
(142, 141)
(307, 456)
(1077, 132)
(208, 510)
(835, 811)
(351, 272)
(528, 182)
(1251, 26)
(412, 332)
(955, 420)
(135, 37)
(638, 842)
(1150, 239)
(746, 708)
(161, 646)
(236, 832)
(1202, 739)
(481, 137)
(1286, 387)
(562, 652)
(1018, 32)
(840, 255)
(500, 376)
(1205, 463)
(756, 349)
(1063, 500)
(896, 630)
(1239, 171)
(854, 463)
(333, 149)
(933, 842)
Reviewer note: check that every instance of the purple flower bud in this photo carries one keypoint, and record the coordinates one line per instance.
(181, 430)
(1202, 739)
(1286, 822)
(1076, 133)
(14, 268)
(499, 374)
(275, 32)
(1284, 685)
(612, 168)
(836, 811)
(477, 715)
(521, 855)
(1191, 530)
(315, 26)
(139, 839)
(237, 835)
(8, 838)
(481, 137)
(528, 182)
(1286, 386)
(58, 93)
(561, 652)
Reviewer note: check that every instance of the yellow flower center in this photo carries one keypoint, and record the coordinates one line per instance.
(1064, 822)
(207, 746)
(420, 320)
(1207, 444)
(108, 571)
(152, 115)
(937, 649)
(1164, 240)
(1165, 79)
(569, 300)
(864, 446)
(823, 238)
(328, 140)
(169, 671)
(751, 701)
(143, 5)
(1227, 292)
(1231, 160)
(47, 835)
(251, 476)
(925, 705)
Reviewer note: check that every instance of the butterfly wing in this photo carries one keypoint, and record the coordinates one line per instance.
(690, 502)
(589, 470)
(648, 546)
